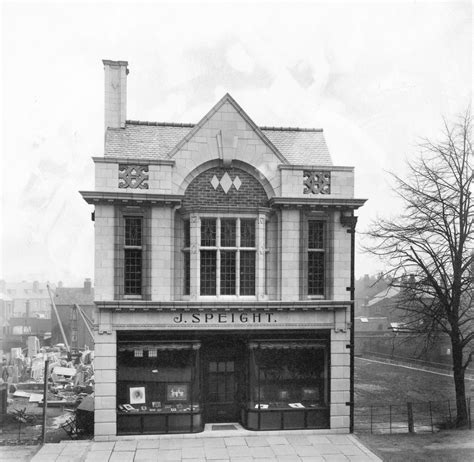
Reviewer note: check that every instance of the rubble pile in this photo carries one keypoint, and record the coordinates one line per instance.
(70, 380)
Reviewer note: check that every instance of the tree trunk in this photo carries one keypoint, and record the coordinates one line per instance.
(458, 373)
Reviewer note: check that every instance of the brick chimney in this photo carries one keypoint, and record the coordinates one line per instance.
(87, 286)
(115, 93)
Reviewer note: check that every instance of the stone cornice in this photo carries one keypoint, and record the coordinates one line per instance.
(250, 306)
(231, 210)
(319, 202)
(97, 197)
(329, 168)
(133, 161)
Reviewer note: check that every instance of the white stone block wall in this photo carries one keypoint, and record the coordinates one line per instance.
(106, 176)
(162, 253)
(160, 179)
(340, 381)
(105, 366)
(290, 254)
(341, 245)
(104, 226)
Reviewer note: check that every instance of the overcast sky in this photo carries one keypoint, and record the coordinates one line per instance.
(375, 76)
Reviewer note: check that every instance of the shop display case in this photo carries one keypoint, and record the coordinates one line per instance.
(158, 388)
(288, 385)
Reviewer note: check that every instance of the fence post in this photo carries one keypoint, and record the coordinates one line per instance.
(469, 413)
(431, 417)
(411, 427)
(371, 420)
(45, 401)
(390, 407)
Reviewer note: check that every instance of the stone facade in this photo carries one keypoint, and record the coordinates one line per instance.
(223, 166)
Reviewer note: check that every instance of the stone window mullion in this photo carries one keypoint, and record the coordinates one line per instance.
(260, 252)
(218, 257)
(195, 263)
(237, 258)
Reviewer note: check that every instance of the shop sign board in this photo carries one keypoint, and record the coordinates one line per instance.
(204, 319)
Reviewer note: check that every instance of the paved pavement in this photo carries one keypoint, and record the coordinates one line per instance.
(17, 453)
(301, 446)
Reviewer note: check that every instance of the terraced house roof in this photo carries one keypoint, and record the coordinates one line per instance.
(155, 140)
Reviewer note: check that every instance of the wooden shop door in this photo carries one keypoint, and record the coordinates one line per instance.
(223, 380)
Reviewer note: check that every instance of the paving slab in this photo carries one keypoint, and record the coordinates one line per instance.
(210, 447)
(235, 441)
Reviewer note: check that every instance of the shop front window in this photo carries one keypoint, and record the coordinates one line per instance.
(158, 388)
(287, 377)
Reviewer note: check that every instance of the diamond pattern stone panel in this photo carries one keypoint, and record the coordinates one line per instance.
(229, 187)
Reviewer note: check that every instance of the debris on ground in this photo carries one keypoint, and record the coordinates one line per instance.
(70, 382)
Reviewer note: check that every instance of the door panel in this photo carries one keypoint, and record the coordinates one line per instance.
(222, 381)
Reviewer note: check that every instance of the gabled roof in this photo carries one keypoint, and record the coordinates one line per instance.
(228, 99)
(300, 146)
(144, 140)
(158, 140)
(385, 294)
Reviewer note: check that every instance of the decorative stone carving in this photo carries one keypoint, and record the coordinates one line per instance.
(316, 182)
(133, 176)
(226, 182)
(348, 220)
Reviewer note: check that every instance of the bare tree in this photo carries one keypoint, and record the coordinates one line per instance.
(432, 240)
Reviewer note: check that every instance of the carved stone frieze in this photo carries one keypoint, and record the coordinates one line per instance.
(316, 182)
(133, 176)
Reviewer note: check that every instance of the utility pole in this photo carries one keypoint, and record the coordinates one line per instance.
(45, 401)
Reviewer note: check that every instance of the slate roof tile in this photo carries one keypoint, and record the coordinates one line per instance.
(150, 140)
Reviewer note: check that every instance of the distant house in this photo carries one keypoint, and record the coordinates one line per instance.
(20, 328)
(25, 310)
(380, 328)
(6, 310)
(65, 299)
(30, 299)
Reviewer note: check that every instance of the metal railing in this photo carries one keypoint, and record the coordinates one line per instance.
(409, 417)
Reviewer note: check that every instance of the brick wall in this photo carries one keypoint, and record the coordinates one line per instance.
(201, 193)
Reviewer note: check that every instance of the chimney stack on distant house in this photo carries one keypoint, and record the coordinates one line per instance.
(115, 93)
(87, 286)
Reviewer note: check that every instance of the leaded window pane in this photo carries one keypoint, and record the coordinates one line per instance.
(228, 272)
(208, 232)
(208, 272)
(247, 233)
(133, 231)
(228, 232)
(187, 273)
(315, 273)
(247, 272)
(133, 271)
(187, 233)
(315, 235)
